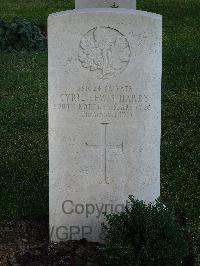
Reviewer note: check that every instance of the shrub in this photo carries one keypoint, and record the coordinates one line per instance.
(21, 35)
(144, 235)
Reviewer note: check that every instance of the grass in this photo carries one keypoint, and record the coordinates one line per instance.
(175, 12)
(23, 135)
(33, 10)
(23, 112)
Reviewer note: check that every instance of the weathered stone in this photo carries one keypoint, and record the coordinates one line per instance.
(104, 115)
(130, 4)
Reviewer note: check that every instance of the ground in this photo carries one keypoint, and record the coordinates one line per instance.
(26, 243)
(23, 113)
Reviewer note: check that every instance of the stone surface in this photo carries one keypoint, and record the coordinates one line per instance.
(104, 115)
(130, 4)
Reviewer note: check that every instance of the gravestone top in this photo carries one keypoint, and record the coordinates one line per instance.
(106, 10)
(130, 4)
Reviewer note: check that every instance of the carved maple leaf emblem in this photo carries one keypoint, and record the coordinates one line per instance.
(104, 50)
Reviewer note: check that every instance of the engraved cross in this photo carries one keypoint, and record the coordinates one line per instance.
(105, 146)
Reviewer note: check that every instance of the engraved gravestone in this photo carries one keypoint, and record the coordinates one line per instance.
(130, 4)
(104, 115)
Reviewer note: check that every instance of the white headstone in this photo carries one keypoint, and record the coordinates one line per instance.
(130, 4)
(104, 115)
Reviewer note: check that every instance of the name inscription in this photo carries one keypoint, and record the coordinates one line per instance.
(103, 101)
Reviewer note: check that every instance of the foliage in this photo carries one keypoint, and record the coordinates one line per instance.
(20, 34)
(36, 11)
(146, 235)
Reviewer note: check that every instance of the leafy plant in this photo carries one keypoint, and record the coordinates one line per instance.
(145, 235)
(21, 35)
